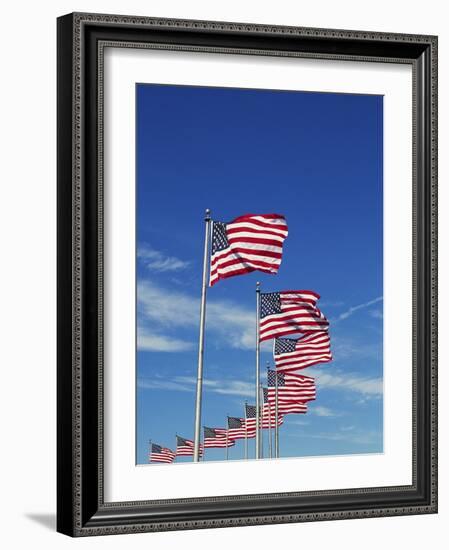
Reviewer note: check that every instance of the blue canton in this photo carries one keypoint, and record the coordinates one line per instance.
(270, 304)
(219, 237)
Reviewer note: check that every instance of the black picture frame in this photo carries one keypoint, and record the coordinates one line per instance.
(81, 510)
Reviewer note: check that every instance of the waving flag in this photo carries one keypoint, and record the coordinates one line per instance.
(267, 417)
(161, 454)
(237, 429)
(250, 242)
(289, 312)
(216, 438)
(184, 447)
(290, 387)
(293, 407)
(294, 354)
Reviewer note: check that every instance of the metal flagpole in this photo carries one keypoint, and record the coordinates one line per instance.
(257, 369)
(199, 379)
(149, 450)
(276, 414)
(270, 444)
(246, 435)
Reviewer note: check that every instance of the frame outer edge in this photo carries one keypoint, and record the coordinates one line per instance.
(69, 520)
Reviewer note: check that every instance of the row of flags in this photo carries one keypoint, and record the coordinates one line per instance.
(289, 396)
(249, 243)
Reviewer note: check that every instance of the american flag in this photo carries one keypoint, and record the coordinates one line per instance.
(289, 312)
(184, 447)
(294, 354)
(237, 429)
(291, 387)
(161, 454)
(248, 243)
(285, 407)
(267, 417)
(216, 438)
(292, 407)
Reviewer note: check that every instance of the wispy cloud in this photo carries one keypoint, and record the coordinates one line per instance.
(298, 421)
(376, 313)
(322, 411)
(344, 347)
(154, 384)
(225, 387)
(367, 386)
(187, 383)
(353, 309)
(362, 437)
(147, 341)
(155, 260)
(231, 322)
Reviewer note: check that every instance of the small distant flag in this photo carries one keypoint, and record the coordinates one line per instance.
(184, 447)
(267, 417)
(294, 354)
(289, 312)
(216, 438)
(161, 454)
(290, 387)
(248, 243)
(237, 429)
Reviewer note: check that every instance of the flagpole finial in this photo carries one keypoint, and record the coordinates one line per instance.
(207, 214)
(258, 286)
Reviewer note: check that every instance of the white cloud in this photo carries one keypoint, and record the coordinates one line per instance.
(376, 313)
(225, 387)
(322, 411)
(372, 387)
(153, 384)
(155, 260)
(231, 322)
(348, 348)
(188, 383)
(365, 437)
(353, 309)
(158, 342)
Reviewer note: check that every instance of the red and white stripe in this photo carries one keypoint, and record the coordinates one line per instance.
(297, 388)
(218, 443)
(243, 432)
(299, 313)
(293, 407)
(255, 243)
(267, 421)
(221, 441)
(311, 349)
(165, 456)
(187, 450)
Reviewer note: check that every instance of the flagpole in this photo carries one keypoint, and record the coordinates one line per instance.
(149, 450)
(270, 443)
(246, 434)
(257, 369)
(276, 414)
(199, 379)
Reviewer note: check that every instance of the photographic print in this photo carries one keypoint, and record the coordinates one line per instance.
(247, 288)
(259, 269)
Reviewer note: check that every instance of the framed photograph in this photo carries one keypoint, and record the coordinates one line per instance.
(247, 288)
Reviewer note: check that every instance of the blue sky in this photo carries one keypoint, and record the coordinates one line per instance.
(317, 159)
